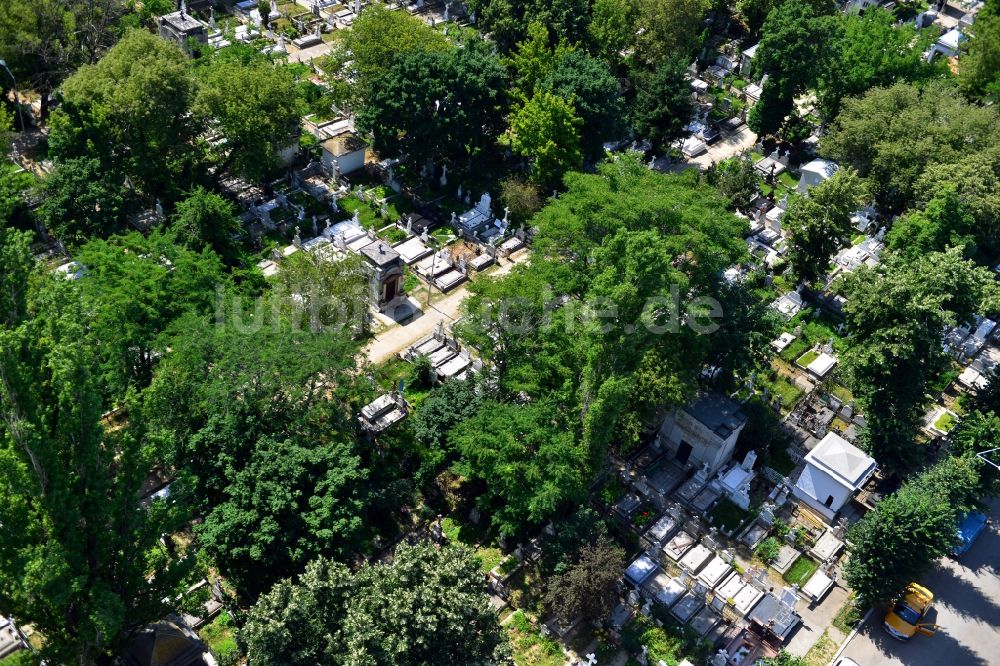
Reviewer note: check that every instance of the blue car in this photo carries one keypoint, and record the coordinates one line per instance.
(969, 529)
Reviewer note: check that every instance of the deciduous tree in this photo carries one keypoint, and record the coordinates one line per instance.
(588, 589)
(130, 111)
(898, 542)
(896, 313)
(547, 131)
(596, 97)
(662, 106)
(821, 222)
(257, 109)
(427, 607)
(80, 557)
(439, 105)
(205, 219)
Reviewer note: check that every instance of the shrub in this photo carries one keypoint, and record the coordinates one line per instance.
(768, 549)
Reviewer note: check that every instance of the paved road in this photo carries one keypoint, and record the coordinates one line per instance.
(966, 606)
(446, 310)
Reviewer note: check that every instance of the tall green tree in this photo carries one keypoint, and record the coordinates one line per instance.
(438, 105)
(669, 29)
(135, 288)
(205, 219)
(596, 97)
(662, 106)
(795, 42)
(871, 51)
(979, 69)
(15, 256)
(80, 200)
(547, 132)
(893, 135)
(427, 607)
(81, 559)
(324, 295)
(257, 109)
(258, 410)
(898, 542)
(508, 22)
(736, 179)
(130, 111)
(532, 463)
(376, 38)
(589, 588)
(975, 177)
(943, 222)
(821, 222)
(896, 313)
(978, 432)
(612, 28)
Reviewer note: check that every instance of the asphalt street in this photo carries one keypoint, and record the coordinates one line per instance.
(966, 608)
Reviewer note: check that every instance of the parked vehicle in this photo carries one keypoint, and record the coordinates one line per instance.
(903, 622)
(969, 529)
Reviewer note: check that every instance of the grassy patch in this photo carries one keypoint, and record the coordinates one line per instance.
(945, 422)
(366, 216)
(788, 180)
(19, 658)
(727, 515)
(489, 558)
(476, 537)
(219, 636)
(781, 385)
(849, 615)
(807, 358)
(822, 652)
(530, 647)
(860, 238)
(393, 235)
(796, 348)
(507, 565)
(800, 571)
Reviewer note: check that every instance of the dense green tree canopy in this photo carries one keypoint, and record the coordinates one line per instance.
(507, 21)
(42, 41)
(899, 541)
(82, 201)
(821, 222)
(427, 607)
(979, 69)
(258, 111)
(871, 51)
(669, 29)
(368, 50)
(662, 107)
(589, 588)
(790, 54)
(437, 105)
(533, 464)
(546, 130)
(69, 566)
(130, 111)
(135, 287)
(897, 313)
(892, 135)
(943, 222)
(595, 94)
(205, 219)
